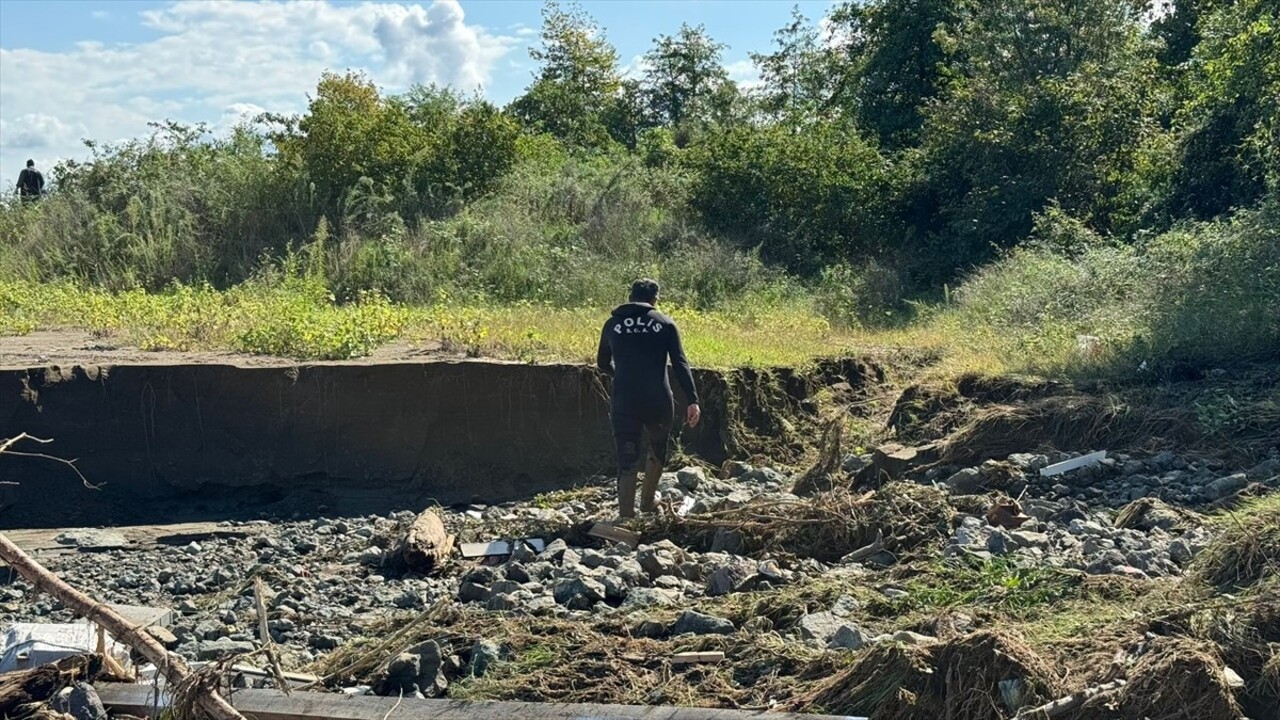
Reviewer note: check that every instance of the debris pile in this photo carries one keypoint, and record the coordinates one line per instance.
(908, 588)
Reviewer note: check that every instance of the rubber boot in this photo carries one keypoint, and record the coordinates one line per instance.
(649, 490)
(627, 495)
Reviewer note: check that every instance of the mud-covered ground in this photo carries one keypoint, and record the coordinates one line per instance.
(964, 592)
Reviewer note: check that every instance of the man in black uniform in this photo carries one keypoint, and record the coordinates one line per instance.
(634, 347)
(30, 182)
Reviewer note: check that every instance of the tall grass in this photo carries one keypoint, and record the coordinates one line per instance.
(1203, 293)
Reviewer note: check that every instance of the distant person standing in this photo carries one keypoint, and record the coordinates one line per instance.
(635, 344)
(30, 182)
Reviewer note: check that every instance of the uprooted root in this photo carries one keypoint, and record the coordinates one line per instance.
(983, 676)
(1176, 679)
(827, 526)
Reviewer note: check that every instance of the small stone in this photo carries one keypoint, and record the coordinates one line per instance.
(579, 593)
(80, 702)
(848, 637)
(692, 621)
(325, 642)
(820, 626)
(470, 591)
(912, 638)
(1226, 486)
(726, 578)
(691, 478)
(649, 597)
(223, 647)
(502, 603)
(965, 482)
(484, 653)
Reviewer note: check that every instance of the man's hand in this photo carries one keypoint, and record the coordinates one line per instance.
(694, 415)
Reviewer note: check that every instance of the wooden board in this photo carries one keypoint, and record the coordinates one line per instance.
(689, 658)
(614, 533)
(497, 547)
(1073, 463)
(272, 705)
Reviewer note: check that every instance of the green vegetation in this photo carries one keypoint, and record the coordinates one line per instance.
(1039, 185)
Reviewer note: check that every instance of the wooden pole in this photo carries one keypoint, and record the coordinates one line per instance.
(173, 667)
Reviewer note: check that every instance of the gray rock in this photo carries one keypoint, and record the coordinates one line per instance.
(845, 606)
(649, 597)
(907, 637)
(579, 593)
(223, 647)
(81, 702)
(727, 541)
(726, 578)
(516, 573)
(371, 557)
(819, 626)
(502, 603)
(694, 622)
(965, 482)
(1265, 470)
(484, 653)
(321, 641)
(657, 562)
(1225, 486)
(402, 674)
(848, 637)
(998, 543)
(691, 478)
(431, 679)
(470, 591)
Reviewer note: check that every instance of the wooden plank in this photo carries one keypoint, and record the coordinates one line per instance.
(1073, 463)
(498, 547)
(690, 658)
(138, 700)
(614, 533)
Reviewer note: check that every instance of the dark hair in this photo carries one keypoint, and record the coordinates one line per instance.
(31, 163)
(644, 291)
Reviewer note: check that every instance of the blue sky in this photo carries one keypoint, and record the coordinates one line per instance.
(71, 69)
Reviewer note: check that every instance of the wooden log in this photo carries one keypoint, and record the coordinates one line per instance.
(427, 545)
(173, 667)
(1062, 706)
(139, 701)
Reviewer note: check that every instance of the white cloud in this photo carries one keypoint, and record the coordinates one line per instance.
(744, 73)
(213, 59)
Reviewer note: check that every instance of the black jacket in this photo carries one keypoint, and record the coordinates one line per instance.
(634, 346)
(30, 182)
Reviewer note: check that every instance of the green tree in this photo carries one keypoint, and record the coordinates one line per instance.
(803, 199)
(350, 132)
(1045, 100)
(1226, 147)
(888, 64)
(576, 81)
(796, 74)
(682, 74)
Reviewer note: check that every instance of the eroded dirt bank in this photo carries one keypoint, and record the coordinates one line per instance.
(169, 441)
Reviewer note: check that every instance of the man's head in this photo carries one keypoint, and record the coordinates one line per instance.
(31, 163)
(644, 291)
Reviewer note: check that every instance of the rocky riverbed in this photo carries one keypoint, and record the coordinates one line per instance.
(704, 568)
